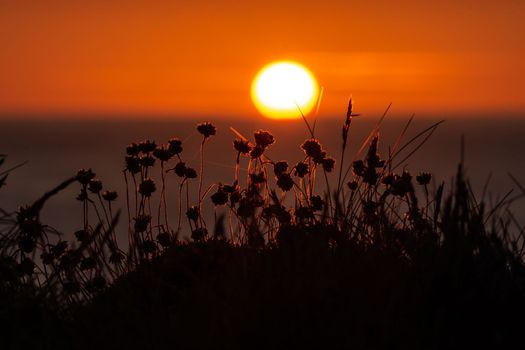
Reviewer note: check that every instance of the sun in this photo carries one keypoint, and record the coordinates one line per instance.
(284, 89)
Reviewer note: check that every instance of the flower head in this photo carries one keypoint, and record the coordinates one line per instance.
(175, 146)
(263, 138)
(242, 146)
(206, 129)
(312, 148)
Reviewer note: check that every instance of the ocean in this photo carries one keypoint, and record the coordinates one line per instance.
(55, 149)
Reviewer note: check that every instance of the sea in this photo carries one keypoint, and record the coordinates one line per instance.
(50, 150)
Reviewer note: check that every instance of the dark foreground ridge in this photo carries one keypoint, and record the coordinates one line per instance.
(380, 261)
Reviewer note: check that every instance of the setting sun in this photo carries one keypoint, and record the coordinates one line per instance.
(282, 90)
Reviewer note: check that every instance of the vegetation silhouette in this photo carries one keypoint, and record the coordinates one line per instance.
(377, 259)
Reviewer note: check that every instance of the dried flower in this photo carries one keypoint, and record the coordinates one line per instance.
(132, 164)
(162, 153)
(285, 182)
(147, 187)
(149, 246)
(84, 176)
(257, 178)
(301, 169)
(147, 161)
(164, 239)
(358, 167)
(193, 213)
(95, 185)
(242, 146)
(190, 173)
(180, 169)
(280, 167)
(26, 244)
(220, 197)
(141, 223)
(312, 148)
(199, 233)
(256, 152)
(82, 196)
(175, 146)
(423, 178)
(328, 164)
(263, 138)
(147, 146)
(206, 129)
(132, 149)
(317, 203)
(109, 195)
(352, 185)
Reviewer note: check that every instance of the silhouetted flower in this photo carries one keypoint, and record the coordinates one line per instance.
(206, 129)
(256, 152)
(132, 164)
(199, 233)
(164, 239)
(147, 187)
(175, 146)
(358, 167)
(312, 148)
(352, 185)
(285, 182)
(59, 249)
(162, 153)
(301, 169)
(220, 197)
(320, 159)
(147, 161)
(280, 167)
(95, 185)
(257, 178)
(193, 213)
(263, 138)
(84, 176)
(242, 146)
(132, 149)
(180, 169)
(317, 203)
(147, 146)
(110, 195)
(303, 212)
(141, 223)
(328, 164)
(388, 179)
(230, 189)
(423, 178)
(190, 173)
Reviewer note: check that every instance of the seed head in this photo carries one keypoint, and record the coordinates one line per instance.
(328, 164)
(263, 138)
(206, 129)
(423, 178)
(147, 161)
(141, 223)
(147, 187)
(110, 195)
(84, 176)
(256, 152)
(285, 182)
(180, 169)
(280, 167)
(220, 197)
(132, 149)
(95, 185)
(301, 169)
(133, 164)
(147, 146)
(312, 148)
(163, 153)
(175, 146)
(190, 173)
(193, 213)
(242, 146)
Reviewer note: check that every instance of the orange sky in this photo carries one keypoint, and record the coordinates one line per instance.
(198, 58)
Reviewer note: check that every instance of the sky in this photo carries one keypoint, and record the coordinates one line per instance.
(192, 58)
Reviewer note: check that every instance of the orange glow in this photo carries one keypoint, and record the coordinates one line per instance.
(284, 90)
(179, 58)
